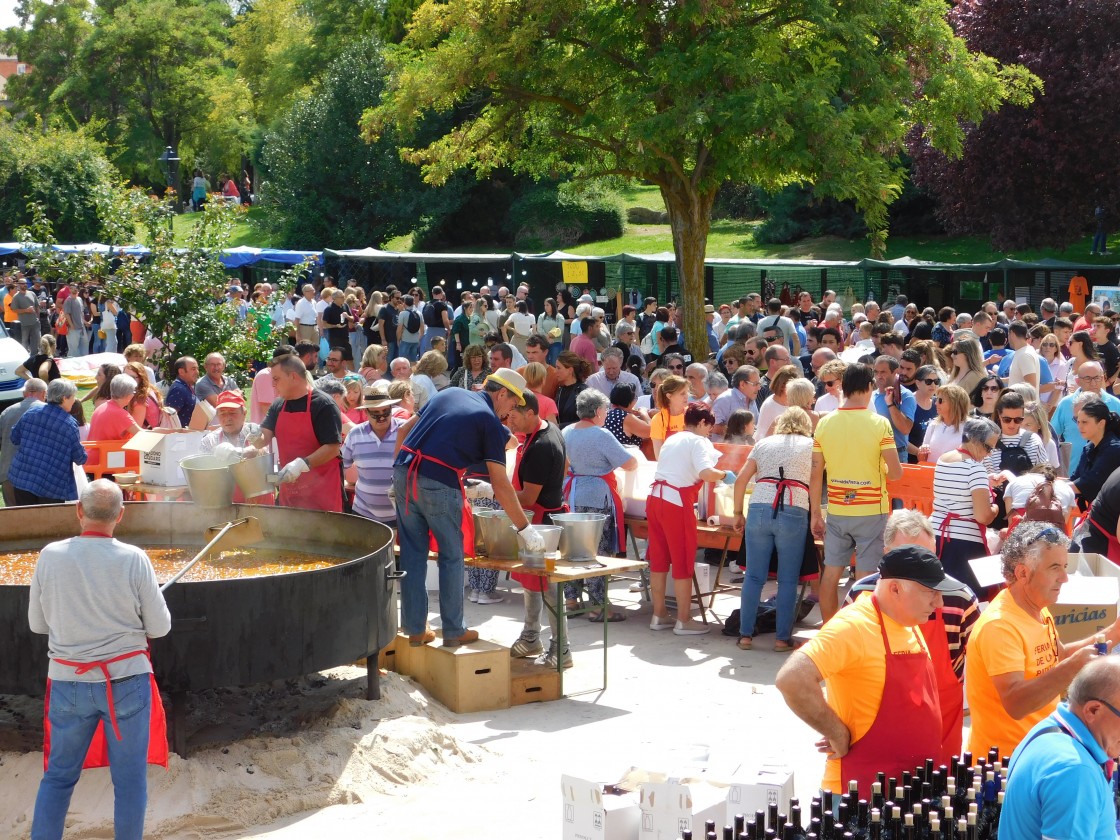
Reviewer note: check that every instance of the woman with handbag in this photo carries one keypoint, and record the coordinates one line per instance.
(777, 519)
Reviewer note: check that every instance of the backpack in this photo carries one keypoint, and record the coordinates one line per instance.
(1043, 506)
(413, 321)
(431, 318)
(1014, 458)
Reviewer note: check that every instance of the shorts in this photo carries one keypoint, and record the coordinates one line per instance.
(861, 534)
(672, 538)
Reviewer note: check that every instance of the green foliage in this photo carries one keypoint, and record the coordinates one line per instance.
(324, 184)
(796, 213)
(738, 201)
(561, 215)
(274, 50)
(55, 173)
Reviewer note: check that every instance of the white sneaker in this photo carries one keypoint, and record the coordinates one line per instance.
(690, 629)
(549, 659)
(523, 648)
(473, 596)
(656, 622)
(489, 598)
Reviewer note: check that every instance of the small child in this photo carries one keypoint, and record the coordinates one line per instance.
(740, 428)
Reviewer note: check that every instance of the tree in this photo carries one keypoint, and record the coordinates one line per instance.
(56, 172)
(50, 37)
(323, 183)
(276, 55)
(1032, 176)
(688, 95)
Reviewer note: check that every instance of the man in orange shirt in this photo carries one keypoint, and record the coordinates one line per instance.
(882, 710)
(1017, 668)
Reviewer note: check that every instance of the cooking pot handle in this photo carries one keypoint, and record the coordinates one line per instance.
(391, 575)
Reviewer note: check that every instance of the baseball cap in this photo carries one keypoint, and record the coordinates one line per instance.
(230, 399)
(912, 562)
(513, 381)
(235, 288)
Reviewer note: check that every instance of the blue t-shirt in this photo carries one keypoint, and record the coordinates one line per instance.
(1004, 368)
(460, 428)
(1056, 786)
(909, 407)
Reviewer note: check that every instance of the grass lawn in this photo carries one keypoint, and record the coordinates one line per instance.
(727, 238)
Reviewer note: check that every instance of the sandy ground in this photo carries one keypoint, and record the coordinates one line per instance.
(327, 763)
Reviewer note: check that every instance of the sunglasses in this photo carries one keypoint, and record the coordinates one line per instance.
(991, 388)
(931, 381)
(829, 383)
(770, 339)
(675, 367)
(1011, 419)
(378, 415)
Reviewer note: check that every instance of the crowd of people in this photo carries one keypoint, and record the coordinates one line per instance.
(402, 407)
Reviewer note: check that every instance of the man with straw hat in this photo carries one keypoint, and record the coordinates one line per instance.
(372, 446)
(456, 429)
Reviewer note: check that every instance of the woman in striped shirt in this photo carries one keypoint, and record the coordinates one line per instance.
(962, 502)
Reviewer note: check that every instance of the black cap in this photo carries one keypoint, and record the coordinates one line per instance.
(912, 562)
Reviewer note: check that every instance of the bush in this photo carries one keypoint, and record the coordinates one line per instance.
(738, 201)
(62, 171)
(795, 213)
(557, 216)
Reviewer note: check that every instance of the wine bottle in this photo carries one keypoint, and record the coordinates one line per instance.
(988, 812)
(863, 816)
(815, 808)
(875, 825)
(828, 825)
(962, 829)
(973, 828)
(760, 824)
(906, 778)
(908, 827)
(937, 784)
(994, 834)
(711, 835)
(791, 833)
(927, 771)
(739, 824)
(772, 815)
(877, 796)
(728, 832)
(709, 827)
(794, 816)
(816, 827)
(934, 828)
(844, 815)
(853, 790)
(780, 828)
(686, 834)
(771, 834)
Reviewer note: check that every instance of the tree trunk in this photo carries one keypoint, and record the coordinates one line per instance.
(690, 217)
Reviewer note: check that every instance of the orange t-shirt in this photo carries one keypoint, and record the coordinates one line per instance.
(663, 423)
(10, 317)
(848, 651)
(1078, 292)
(1005, 640)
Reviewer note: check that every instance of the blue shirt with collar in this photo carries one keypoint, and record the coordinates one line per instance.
(1056, 785)
(49, 445)
(909, 407)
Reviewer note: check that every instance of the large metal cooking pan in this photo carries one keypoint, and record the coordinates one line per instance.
(232, 632)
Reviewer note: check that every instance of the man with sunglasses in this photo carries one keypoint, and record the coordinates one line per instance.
(372, 447)
(1056, 784)
(1017, 667)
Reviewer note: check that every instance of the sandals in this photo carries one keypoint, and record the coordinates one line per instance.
(597, 616)
(745, 642)
(785, 647)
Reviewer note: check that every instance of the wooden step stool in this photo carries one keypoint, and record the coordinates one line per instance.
(467, 678)
(532, 683)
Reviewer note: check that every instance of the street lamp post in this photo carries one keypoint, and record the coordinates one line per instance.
(170, 163)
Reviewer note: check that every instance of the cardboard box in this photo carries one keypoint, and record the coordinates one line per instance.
(668, 808)
(1087, 603)
(755, 790)
(467, 678)
(160, 454)
(591, 814)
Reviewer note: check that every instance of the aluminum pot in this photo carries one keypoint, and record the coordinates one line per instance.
(581, 535)
(209, 479)
(498, 537)
(254, 476)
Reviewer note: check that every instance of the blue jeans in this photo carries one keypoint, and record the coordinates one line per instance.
(410, 350)
(763, 533)
(76, 709)
(438, 509)
(554, 351)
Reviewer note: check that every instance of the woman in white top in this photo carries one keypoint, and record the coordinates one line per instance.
(645, 402)
(1051, 353)
(1020, 488)
(519, 326)
(1036, 420)
(431, 365)
(831, 377)
(776, 403)
(943, 434)
(777, 519)
(962, 502)
(1082, 350)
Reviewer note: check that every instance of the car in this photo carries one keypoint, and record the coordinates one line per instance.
(12, 355)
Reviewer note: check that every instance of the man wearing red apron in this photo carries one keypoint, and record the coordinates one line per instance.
(307, 427)
(231, 440)
(946, 631)
(98, 602)
(455, 430)
(538, 479)
(883, 711)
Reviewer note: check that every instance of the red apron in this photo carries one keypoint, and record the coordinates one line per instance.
(321, 487)
(943, 531)
(531, 583)
(907, 729)
(616, 501)
(672, 527)
(950, 693)
(1113, 553)
(98, 753)
(783, 485)
(466, 521)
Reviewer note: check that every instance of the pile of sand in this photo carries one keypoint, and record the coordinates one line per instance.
(312, 743)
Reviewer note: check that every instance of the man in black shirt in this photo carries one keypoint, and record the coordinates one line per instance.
(667, 341)
(1110, 356)
(648, 317)
(387, 315)
(539, 482)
